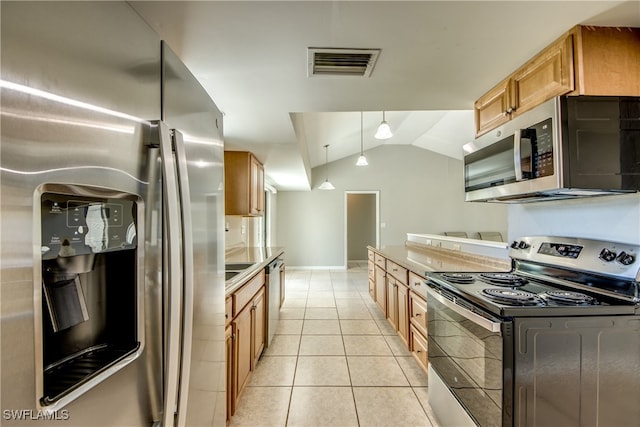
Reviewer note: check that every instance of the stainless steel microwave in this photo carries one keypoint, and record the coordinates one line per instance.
(570, 146)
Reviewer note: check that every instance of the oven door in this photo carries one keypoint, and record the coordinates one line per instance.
(467, 350)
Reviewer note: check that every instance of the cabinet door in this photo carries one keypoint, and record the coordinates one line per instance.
(257, 187)
(403, 312)
(258, 323)
(419, 348)
(493, 108)
(231, 397)
(547, 75)
(418, 313)
(381, 289)
(392, 301)
(242, 349)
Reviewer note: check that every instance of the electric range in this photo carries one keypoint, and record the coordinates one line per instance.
(563, 325)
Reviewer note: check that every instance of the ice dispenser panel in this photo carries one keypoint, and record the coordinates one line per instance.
(89, 290)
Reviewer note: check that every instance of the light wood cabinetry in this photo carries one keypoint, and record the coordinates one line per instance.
(372, 274)
(398, 299)
(403, 312)
(245, 311)
(419, 348)
(583, 61)
(381, 289)
(418, 329)
(547, 75)
(397, 294)
(242, 349)
(231, 401)
(258, 323)
(244, 184)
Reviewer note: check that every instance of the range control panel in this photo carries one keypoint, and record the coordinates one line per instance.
(596, 256)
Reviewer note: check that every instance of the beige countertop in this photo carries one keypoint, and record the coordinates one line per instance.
(426, 259)
(260, 257)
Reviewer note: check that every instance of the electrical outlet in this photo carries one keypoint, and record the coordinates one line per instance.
(456, 247)
(428, 242)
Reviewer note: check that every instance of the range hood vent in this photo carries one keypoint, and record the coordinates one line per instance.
(341, 62)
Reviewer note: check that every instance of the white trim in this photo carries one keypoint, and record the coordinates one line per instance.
(346, 193)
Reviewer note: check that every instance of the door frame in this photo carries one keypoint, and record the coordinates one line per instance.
(346, 212)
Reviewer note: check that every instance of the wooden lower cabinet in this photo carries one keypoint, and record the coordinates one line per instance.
(403, 312)
(418, 328)
(392, 302)
(258, 324)
(243, 357)
(245, 340)
(418, 314)
(231, 401)
(381, 289)
(419, 347)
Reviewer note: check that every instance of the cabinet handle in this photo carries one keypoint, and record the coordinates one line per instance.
(417, 314)
(418, 351)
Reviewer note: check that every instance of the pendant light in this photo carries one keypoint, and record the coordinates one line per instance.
(362, 160)
(326, 185)
(384, 131)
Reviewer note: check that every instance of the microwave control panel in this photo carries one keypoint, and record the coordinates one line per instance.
(540, 136)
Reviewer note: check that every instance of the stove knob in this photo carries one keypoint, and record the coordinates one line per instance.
(607, 255)
(523, 245)
(515, 244)
(625, 258)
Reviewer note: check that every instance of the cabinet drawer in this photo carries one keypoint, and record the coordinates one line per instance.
(419, 348)
(228, 310)
(400, 273)
(245, 294)
(418, 313)
(415, 281)
(380, 261)
(417, 284)
(371, 256)
(372, 270)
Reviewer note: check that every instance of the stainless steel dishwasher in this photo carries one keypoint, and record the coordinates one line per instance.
(273, 270)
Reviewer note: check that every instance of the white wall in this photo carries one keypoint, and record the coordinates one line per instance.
(613, 218)
(420, 192)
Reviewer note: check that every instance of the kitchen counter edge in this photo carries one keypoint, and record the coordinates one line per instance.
(269, 254)
(422, 259)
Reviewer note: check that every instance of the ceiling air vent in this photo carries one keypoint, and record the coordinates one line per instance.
(341, 62)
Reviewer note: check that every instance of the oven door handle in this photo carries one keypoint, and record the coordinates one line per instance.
(467, 314)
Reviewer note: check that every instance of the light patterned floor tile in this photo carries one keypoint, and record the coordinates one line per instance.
(322, 406)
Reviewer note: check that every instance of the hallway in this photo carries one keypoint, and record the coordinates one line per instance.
(334, 361)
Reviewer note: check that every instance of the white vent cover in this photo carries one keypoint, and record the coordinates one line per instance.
(341, 62)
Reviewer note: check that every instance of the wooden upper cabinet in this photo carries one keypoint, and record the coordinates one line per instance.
(547, 75)
(584, 61)
(607, 61)
(244, 184)
(491, 109)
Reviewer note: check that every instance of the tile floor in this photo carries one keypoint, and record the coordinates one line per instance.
(334, 361)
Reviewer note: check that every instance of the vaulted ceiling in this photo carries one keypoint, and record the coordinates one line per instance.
(435, 59)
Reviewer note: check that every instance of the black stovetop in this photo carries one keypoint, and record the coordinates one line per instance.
(527, 296)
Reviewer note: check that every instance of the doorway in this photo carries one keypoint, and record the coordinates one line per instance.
(362, 225)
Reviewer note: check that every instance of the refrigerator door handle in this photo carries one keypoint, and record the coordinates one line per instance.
(173, 229)
(188, 281)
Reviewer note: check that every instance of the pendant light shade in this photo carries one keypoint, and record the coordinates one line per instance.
(384, 131)
(362, 160)
(326, 185)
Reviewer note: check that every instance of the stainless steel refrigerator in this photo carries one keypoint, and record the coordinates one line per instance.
(111, 174)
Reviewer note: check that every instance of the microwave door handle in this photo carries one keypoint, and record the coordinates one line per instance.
(517, 154)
